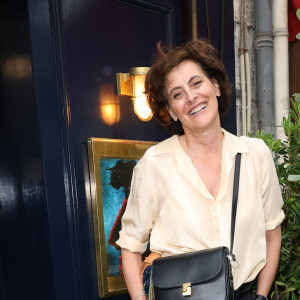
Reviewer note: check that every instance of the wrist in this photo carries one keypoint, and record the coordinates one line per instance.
(140, 296)
(260, 297)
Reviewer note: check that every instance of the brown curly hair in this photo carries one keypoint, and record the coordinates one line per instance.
(200, 52)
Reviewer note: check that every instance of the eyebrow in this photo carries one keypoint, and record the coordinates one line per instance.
(179, 87)
(174, 89)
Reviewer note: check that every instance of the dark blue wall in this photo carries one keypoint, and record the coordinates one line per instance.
(220, 20)
(69, 51)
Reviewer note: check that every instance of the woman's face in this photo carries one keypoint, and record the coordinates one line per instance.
(192, 97)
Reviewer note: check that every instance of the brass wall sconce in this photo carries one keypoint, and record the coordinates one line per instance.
(132, 84)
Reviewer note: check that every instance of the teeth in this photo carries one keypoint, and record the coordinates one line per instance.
(197, 109)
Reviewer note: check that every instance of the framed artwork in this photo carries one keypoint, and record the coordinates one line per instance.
(111, 164)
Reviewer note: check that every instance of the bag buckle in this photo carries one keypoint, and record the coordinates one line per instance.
(187, 289)
(232, 259)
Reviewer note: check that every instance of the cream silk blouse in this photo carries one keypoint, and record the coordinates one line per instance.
(169, 200)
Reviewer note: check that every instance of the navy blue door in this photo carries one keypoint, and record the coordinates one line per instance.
(98, 40)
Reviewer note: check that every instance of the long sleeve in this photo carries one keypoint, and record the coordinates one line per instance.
(139, 216)
(271, 192)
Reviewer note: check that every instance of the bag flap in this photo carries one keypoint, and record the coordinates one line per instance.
(194, 267)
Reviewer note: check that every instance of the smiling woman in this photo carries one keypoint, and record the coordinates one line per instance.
(192, 97)
(205, 57)
(181, 188)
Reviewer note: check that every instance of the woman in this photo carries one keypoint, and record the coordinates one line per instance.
(182, 188)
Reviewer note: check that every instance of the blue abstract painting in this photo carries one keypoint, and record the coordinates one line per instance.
(116, 177)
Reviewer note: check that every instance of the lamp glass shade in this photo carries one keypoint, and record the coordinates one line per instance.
(141, 108)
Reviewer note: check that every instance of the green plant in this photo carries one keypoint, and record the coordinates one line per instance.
(298, 15)
(287, 160)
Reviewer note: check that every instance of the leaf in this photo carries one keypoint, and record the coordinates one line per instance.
(298, 13)
(285, 236)
(295, 227)
(280, 283)
(297, 95)
(294, 178)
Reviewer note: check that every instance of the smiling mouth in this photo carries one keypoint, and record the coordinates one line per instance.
(197, 109)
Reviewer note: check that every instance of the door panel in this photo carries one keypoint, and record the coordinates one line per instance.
(98, 40)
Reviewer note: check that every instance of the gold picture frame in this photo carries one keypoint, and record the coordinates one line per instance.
(111, 162)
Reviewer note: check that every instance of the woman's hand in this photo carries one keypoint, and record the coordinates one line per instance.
(131, 262)
(267, 274)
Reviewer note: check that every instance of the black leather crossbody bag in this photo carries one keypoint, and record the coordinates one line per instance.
(199, 275)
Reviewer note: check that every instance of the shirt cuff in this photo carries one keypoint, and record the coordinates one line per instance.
(131, 243)
(272, 224)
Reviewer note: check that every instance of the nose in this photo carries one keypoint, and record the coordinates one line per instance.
(191, 95)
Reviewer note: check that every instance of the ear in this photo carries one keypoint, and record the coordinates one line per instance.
(173, 116)
(216, 85)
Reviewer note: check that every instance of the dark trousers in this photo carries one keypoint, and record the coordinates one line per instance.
(247, 297)
(243, 292)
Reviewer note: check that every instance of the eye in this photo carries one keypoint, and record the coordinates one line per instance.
(197, 83)
(176, 95)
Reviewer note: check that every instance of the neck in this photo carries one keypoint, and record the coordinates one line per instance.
(206, 143)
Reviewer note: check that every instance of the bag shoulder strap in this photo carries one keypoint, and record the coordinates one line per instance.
(235, 196)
